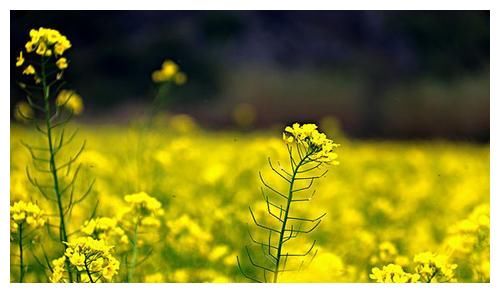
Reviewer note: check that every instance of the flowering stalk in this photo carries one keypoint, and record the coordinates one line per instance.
(91, 259)
(312, 148)
(143, 212)
(165, 78)
(131, 268)
(24, 216)
(63, 235)
(50, 45)
(279, 254)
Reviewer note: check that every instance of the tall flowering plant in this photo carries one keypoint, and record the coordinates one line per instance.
(308, 150)
(49, 107)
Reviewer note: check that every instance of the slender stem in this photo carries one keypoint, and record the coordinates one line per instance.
(88, 271)
(142, 141)
(131, 268)
(63, 236)
(432, 276)
(285, 218)
(21, 259)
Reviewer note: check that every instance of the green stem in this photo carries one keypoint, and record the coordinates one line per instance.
(285, 218)
(63, 236)
(142, 140)
(88, 272)
(21, 259)
(131, 268)
(432, 276)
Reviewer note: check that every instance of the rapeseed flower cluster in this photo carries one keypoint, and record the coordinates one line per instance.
(388, 253)
(107, 229)
(144, 210)
(434, 267)
(393, 273)
(469, 239)
(92, 260)
(169, 72)
(428, 267)
(46, 43)
(26, 213)
(470, 234)
(187, 236)
(317, 146)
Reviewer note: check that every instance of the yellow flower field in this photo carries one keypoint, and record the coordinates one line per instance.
(164, 199)
(171, 204)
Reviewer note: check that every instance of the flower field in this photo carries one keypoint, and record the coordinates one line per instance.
(163, 198)
(395, 211)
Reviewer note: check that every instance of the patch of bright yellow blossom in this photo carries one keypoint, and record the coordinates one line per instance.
(62, 63)
(29, 70)
(20, 60)
(169, 72)
(187, 236)
(434, 267)
(47, 43)
(70, 100)
(90, 258)
(27, 214)
(469, 239)
(429, 267)
(393, 274)
(144, 209)
(389, 201)
(107, 229)
(315, 144)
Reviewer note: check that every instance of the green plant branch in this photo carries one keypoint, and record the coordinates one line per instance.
(21, 258)
(285, 218)
(131, 267)
(63, 236)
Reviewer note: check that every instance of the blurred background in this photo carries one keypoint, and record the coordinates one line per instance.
(397, 74)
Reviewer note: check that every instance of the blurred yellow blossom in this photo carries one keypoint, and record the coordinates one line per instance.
(434, 267)
(169, 72)
(393, 274)
(26, 213)
(106, 229)
(70, 100)
(23, 112)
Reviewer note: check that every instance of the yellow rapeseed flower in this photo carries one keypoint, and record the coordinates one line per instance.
(317, 146)
(144, 210)
(70, 100)
(393, 274)
(169, 68)
(169, 72)
(107, 229)
(45, 42)
(87, 256)
(433, 267)
(62, 63)
(23, 112)
(20, 59)
(27, 213)
(29, 70)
